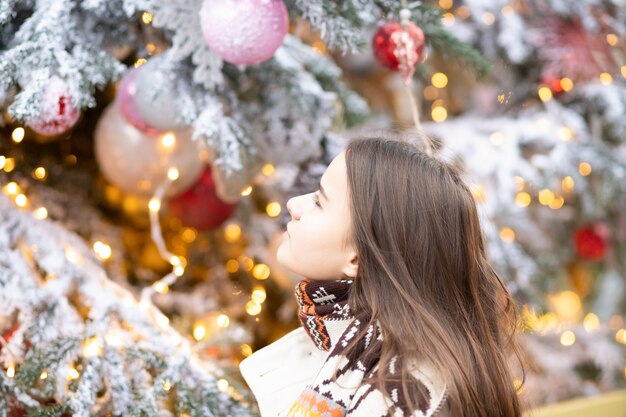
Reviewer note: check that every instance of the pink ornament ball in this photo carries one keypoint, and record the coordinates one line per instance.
(200, 206)
(244, 31)
(125, 99)
(58, 114)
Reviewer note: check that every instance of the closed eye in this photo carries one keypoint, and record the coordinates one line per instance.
(316, 200)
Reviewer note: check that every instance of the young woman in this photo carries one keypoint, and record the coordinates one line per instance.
(401, 313)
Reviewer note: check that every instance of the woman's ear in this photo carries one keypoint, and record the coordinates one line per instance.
(352, 267)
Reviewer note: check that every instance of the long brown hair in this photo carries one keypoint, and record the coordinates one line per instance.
(423, 274)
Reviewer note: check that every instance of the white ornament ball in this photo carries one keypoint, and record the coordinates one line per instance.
(139, 163)
(155, 95)
(244, 31)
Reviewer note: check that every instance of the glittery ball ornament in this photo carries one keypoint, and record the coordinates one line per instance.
(200, 206)
(244, 31)
(125, 99)
(592, 241)
(58, 114)
(390, 36)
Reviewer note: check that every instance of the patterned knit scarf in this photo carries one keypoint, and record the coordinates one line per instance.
(323, 304)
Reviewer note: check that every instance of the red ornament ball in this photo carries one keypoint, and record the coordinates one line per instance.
(591, 241)
(199, 206)
(384, 43)
(7, 336)
(58, 114)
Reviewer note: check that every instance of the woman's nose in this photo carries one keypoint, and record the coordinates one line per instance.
(294, 208)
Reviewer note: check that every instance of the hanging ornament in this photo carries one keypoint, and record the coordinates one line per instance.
(591, 241)
(156, 94)
(200, 206)
(391, 35)
(58, 114)
(244, 31)
(125, 99)
(137, 162)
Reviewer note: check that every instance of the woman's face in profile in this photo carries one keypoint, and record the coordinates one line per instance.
(316, 243)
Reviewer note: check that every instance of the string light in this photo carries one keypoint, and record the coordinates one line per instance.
(591, 322)
(545, 94)
(168, 140)
(507, 11)
(620, 336)
(154, 205)
(606, 78)
(623, 70)
(253, 308)
(246, 263)
(568, 338)
(189, 234)
(232, 266)
(9, 164)
(520, 182)
(199, 331)
(488, 18)
(3, 161)
(507, 234)
(246, 190)
(566, 134)
(557, 203)
(166, 386)
(273, 209)
(446, 4)
(173, 174)
(268, 170)
(222, 385)
(73, 374)
(161, 287)
(92, 347)
(21, 200)
(11, 188)
(102, 250)
(162, 320)
(232, 232)
(18, 134)
(439, 114)
(430, 92)
(43, 375)
(463, 12)
(40, 173)
(246, 350)
(478, 192)
(439, 80)
(146, 17)
(448, 19)
(567, 184)
(567, 84)
(611, 39)
(40, 213)
(496, 138)
(223, 320)
(566, 304)
(523, 199)
(259, 295)
(140, 62)
(11, 371)
(584, 168)
(150, 48)
(261, 271)
(546, 196)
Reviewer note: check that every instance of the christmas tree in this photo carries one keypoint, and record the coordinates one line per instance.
(149, 148)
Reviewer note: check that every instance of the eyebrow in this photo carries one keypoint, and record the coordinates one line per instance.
(323, 192)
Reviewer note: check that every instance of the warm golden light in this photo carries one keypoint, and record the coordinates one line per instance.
(161, 287)
(173, 174)
(162, 320)
(18, 134)
(584, 168)
(591, 322)
(40, 213)
(620, 336)
(168, 140)
(140, 62)
(439, 114)
(507, 234)
(146, 17)
(273, 209)
(430, 92)
(189, 234)
(102, 250)
(43, 375)
(439, 80)
(232, 266)
(3, 161)
(623, 70)
(268, 170)
(11, 371)
(566, 304)
(520, 182)
(9, 164)
(199, 331)
(463, 12)
(448, 19)
(246, 350)
(246, 263)
(546, 196)
(222, 385)
(606, 78)
(557, 203)
(253, 308)
(166, 386)
(478, 192)
(232, 232)
(223, 320)
(21, 200)
(179, 270)
(261, 271)
(40, 173)
(72, 374)
(92, 347)
(567, 184)
(567, 84)
(507, 11)
(446, 4)
(246, 191)
(258, 295)
(523, 199)
(12, 188)
(611, 39)
(545, 94)
(154, 205)
(568, 338)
